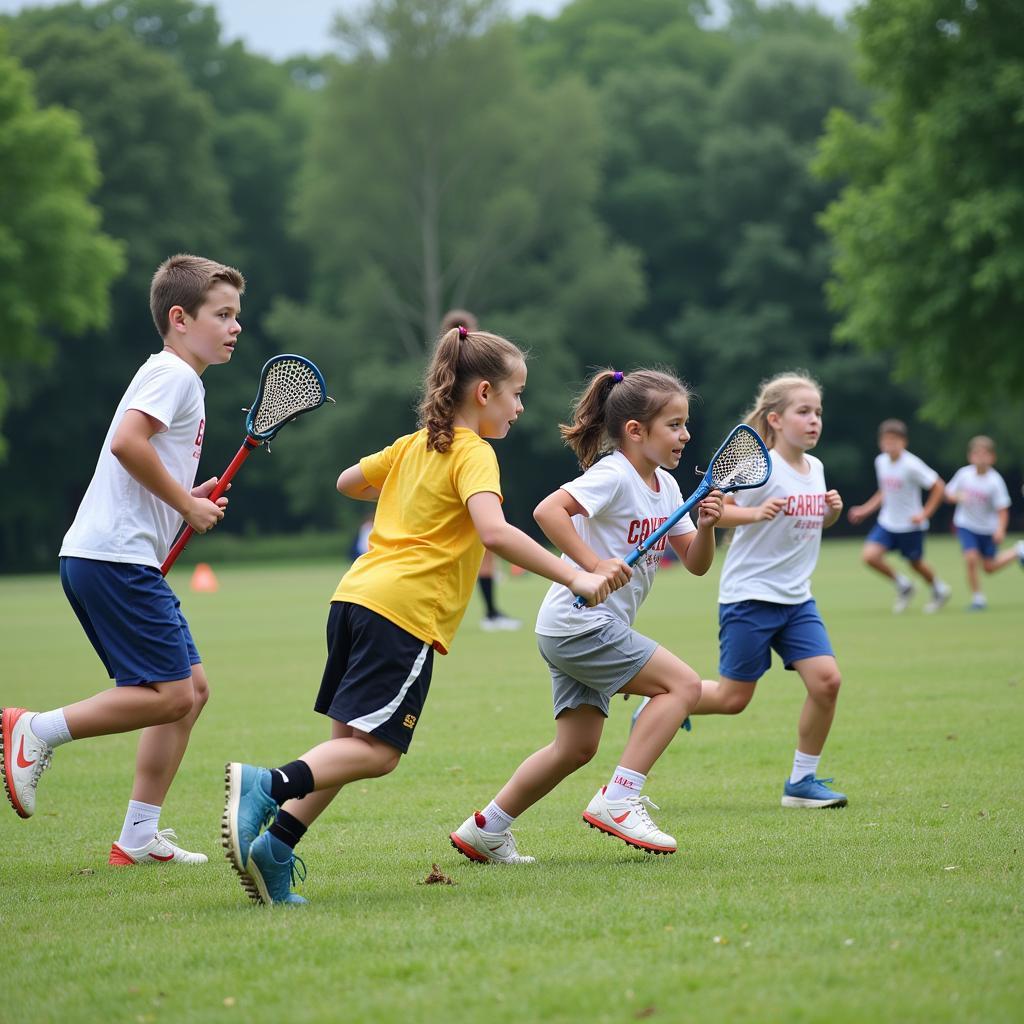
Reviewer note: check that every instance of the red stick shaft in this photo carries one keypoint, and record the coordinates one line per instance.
(248, 445)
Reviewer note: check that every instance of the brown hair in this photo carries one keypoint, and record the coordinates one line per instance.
(609, 401)
(982, 441)
(897, 427)
(184, 280)
(460, 357)
(459, 318)
(774, 395)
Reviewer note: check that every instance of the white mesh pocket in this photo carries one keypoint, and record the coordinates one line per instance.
(291, 386)
(740, 463)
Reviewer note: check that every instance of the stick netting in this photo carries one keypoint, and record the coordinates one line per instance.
(290, 387)
(741, 462)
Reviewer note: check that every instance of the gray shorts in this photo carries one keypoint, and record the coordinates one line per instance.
(590, 668)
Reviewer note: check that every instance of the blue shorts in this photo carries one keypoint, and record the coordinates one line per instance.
(982, 542)
(910, 545)
(749, 630)
(131, 618)
(377, 675)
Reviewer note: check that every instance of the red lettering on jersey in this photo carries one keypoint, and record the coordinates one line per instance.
(633, 537)
(198, 442)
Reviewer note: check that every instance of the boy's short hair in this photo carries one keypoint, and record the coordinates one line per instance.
(982, 441)
(184, 280)
(897, 427)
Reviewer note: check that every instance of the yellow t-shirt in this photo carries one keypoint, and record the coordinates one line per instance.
(424, 551)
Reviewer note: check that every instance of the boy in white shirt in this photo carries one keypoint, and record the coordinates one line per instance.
(982, 514)
(902, 519)
(140, 492)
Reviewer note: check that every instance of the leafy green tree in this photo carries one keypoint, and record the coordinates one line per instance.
(440, 175)
(56, 265)
(929, 229)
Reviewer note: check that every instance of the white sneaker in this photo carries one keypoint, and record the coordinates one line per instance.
(161, 849)
(904, 595)
(629, 821)
(1019, 548)
(500, 622)
(23, 758)
(978, 603)
(486, 847)
(940, 595)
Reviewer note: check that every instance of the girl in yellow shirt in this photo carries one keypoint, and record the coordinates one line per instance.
(438, 496)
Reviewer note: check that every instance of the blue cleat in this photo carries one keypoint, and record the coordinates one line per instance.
(811, 792)
(247, 809)
(687, 724)
(274, 877)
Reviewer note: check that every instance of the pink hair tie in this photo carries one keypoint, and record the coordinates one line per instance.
(617, 376)
(462, 331)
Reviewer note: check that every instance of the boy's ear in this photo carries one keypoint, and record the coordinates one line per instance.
(176, 318)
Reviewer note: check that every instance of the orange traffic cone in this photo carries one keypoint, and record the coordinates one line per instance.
(516, 570)
(203, 579)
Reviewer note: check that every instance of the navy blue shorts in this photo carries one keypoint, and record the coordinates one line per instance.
(377, 675)
(981, 542)
(132, 619)
(748, 631)
(910, 545)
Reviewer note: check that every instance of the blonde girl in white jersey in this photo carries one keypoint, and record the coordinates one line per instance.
(765, 600)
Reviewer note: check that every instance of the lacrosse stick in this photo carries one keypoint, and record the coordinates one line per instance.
(741, 462)
(289, 386)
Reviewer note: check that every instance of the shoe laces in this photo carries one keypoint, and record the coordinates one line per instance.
(168, 836)
(42, 763)
(640, 805)
(298, 866)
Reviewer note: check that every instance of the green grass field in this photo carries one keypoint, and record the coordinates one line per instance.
(905, 906)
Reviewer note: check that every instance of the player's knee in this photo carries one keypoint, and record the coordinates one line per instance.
(577, 756)
(176, 702)
(688, 687)
(826, 686)
(200, 695)
(734, 701)
(386, 760)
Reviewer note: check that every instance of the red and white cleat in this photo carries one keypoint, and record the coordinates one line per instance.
(629, 821)
(486, 847)
(23, 758)
(161, 849)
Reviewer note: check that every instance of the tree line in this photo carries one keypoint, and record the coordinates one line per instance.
(621, 184)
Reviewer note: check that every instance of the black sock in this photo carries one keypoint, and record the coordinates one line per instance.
(291, 781)
(487, 589)
(288, 829)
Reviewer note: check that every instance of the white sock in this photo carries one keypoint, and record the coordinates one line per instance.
(804, 764)
(51, 727)
(902, 582)
(495, 819)
(140, 824)
(624, 783)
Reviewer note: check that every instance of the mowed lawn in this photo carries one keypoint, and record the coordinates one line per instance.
(904, 906)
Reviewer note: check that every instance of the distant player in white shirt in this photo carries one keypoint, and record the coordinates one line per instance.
(593, 653)
(141, 490)
(764, 593)
(982, 515)
(902, 519)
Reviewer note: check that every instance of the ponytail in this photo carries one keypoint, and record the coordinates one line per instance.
(610, 400)
(461, 356)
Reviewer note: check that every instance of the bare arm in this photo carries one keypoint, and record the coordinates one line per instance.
(353, 484)
(736, 515)
(512, 544)
(858, 513)
(933, 502)
(1004, 521)
(131, 447)
(835, 508)
(697, 550)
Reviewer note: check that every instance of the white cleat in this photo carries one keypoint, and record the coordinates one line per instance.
(500, 623)
(904, 595)
(23, 758)
(629, 821)
(940, 595)
(161, 849)
(486, 847)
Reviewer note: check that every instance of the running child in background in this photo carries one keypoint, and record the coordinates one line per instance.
(597, 520)
(902, 521)
(438, 498)
(765, 600)
(981, 517)
(493, 619)
(110, 561)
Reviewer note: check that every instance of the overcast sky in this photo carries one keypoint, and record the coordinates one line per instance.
(302, 26)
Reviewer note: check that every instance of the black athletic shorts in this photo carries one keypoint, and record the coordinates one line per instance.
(377, 675)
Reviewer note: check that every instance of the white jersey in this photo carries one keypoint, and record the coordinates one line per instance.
(773, 560)
(981, 498)
(119, 520)
(900, 481)
(622, 511)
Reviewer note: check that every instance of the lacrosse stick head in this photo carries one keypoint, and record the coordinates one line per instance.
(741, 462)
(289, 386)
